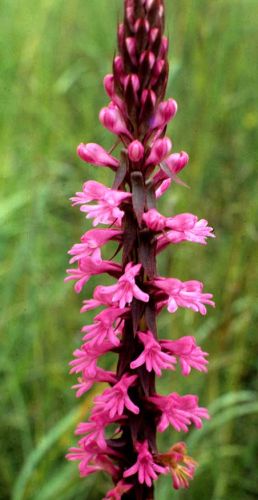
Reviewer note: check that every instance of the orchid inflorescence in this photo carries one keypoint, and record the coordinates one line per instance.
(120, 434)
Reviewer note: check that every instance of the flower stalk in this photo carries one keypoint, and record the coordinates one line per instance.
(119, 437)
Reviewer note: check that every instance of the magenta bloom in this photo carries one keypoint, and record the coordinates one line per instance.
(103, 327)
(107, 210)
(91, 243)
(98, 375)
(89, 266)
(179, 411)
(145, 466)
(185, 227)
(86, 358)
(186, 294)
(120, 435)
(125, 290)
(114, 400)
(152, 355)
(190, 355)
(92, 459)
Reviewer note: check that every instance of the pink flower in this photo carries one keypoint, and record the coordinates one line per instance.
(118, 491)
(186, 294)
(145, 466)
(124, 290)
(114, 400)
(103, 327)
(90, 304)
(154, 220)
(92, 190)
(84, 457)
(107, 210)
(193, 229)
(152, 355)
(98, 375)
(87, 267)
(182, 466)
(95, 154)
(95, 430)
(179, 411)
(91, 242)
(102, 296)
(190, 355)
(86, 358)
(92, 459)
(104, 213)
(185, 227)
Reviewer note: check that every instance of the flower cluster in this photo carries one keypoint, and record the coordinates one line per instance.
(120, 434)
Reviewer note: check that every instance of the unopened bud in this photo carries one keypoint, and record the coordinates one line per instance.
(132, 80)
(95, 154)
(164, 47)
(163, 188)
(135, 151)
(112, 120)
(165, 112)
(177, 161)
(109, 85)
(159, 151)
(130, 43)
(147, 59)
(118, 69)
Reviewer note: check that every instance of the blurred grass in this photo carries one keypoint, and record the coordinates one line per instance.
(54, 54)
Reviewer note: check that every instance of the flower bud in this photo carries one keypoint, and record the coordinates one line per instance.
(147, 59)
(109, 85)
(121, 36)
(118, 70)
(163, 188)
(159, 151)
(148, 103)
(130, 43)
(164, 47)
(95, 154)
(141, 29)
(112, 120)
(165, 112)
(132, 80)
(135, 151)
(177, 161)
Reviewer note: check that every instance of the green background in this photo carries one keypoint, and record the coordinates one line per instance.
(54, 55)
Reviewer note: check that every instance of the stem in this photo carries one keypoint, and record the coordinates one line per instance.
(142, 426)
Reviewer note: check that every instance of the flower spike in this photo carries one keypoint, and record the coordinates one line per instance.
(119, 436)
